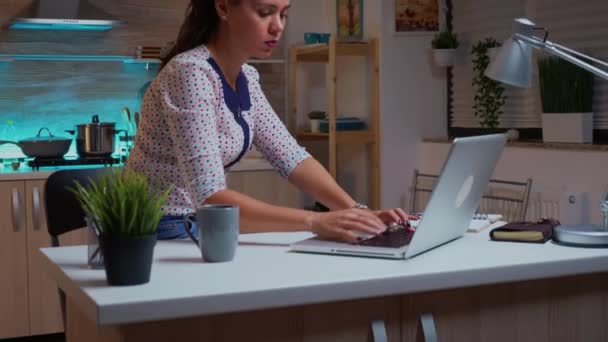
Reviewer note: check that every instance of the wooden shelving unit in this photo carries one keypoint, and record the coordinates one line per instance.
(328, 53)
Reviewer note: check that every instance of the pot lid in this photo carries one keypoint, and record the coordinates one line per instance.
(40, 137)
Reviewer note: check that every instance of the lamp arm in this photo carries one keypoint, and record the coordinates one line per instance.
(576, 53)
(556, 49)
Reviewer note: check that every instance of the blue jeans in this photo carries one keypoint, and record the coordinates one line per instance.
(172, 227)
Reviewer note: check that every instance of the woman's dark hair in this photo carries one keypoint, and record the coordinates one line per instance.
(200, 24)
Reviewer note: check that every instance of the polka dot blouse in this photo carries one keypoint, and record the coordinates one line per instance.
(195, 126)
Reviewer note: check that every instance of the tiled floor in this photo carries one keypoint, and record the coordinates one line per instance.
(44, 338)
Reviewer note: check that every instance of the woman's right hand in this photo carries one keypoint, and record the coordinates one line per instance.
(346, 225)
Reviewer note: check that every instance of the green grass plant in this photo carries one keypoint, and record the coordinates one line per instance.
(564, 87)
(121, 204)
(445, 40)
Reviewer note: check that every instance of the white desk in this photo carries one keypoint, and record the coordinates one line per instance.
(265, 275)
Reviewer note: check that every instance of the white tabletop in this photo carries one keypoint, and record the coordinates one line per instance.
(265, 274)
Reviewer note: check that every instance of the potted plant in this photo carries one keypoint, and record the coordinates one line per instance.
(566, 93)
(490, 97)
(444, 45)
(124, 213)
(315, 118)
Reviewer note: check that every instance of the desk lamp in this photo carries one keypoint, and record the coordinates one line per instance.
(513, 66)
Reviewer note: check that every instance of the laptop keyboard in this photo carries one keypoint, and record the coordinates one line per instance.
(392, 238)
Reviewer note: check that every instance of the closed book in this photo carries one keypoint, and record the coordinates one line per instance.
(536, 232)
(521, 235)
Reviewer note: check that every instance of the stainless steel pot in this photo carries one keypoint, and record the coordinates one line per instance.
(43, 146)
(95, 139)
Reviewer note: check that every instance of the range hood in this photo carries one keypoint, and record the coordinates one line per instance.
(63, 15)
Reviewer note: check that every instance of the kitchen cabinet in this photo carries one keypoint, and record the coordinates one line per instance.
(32, 297)
(350, 320)
(13, 261)
(346, 321)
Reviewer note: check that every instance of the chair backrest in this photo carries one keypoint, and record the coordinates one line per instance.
(422, 187)
(63, 212)
(508, 198)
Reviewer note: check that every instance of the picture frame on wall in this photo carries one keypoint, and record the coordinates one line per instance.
(418, 17)
(350, 20)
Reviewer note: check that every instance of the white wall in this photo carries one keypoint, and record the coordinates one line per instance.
(413, 106)
(412, 95)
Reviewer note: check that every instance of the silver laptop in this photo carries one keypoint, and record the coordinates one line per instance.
(454, 200)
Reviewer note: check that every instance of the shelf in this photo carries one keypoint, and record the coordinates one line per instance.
(329, 54)
(341, 136)
(320, 52)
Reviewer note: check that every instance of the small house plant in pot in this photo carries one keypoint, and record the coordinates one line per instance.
(566, 93)
(489, 97)
(445, 45)
(125, 213)
(315, 118)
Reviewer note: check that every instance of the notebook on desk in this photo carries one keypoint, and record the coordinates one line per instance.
(448, 214)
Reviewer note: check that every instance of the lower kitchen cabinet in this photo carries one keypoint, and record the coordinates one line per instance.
(29, 302)
(32, 297)
(14, 319)
(346, 321)
(350, 321)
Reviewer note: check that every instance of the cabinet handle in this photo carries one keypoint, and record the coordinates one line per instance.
(378, 332)
(36, 200)
(16, 210)
(427, 323)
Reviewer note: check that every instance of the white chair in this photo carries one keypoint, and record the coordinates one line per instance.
(505, 197)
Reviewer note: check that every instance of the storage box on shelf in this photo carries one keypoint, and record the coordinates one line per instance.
(328, 53)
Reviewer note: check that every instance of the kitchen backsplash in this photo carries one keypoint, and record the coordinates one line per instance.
(61, 94)
(74, 91)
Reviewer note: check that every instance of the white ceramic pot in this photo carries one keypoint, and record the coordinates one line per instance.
(568, 127)
(314, 125)
(444, 57)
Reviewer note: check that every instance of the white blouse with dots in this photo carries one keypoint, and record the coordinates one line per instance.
(194, 127)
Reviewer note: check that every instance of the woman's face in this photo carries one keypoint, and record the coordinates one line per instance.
(257, 25)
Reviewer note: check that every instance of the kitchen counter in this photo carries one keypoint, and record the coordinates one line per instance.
(266, 275)
(25, 172)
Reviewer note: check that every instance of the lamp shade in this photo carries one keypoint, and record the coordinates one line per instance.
(513, 64)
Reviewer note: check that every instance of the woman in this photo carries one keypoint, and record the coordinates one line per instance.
(204, 111)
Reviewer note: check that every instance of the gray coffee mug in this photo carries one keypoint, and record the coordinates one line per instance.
(218, 231)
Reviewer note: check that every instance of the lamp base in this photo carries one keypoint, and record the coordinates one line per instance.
(581, 235)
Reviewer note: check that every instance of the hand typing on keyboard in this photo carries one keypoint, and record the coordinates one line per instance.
(396, 235)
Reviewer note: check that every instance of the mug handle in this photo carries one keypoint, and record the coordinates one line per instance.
(188, 226)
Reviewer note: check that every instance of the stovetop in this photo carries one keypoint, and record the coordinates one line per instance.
(37, 163)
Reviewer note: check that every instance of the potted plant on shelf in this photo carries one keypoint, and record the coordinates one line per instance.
(124, 213)
(315, 118)
(489, 97)
(445, 45)
(566, 93)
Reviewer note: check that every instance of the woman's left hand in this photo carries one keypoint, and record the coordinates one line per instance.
(394, 215)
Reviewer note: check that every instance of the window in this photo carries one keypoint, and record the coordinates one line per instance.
(580, 25)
